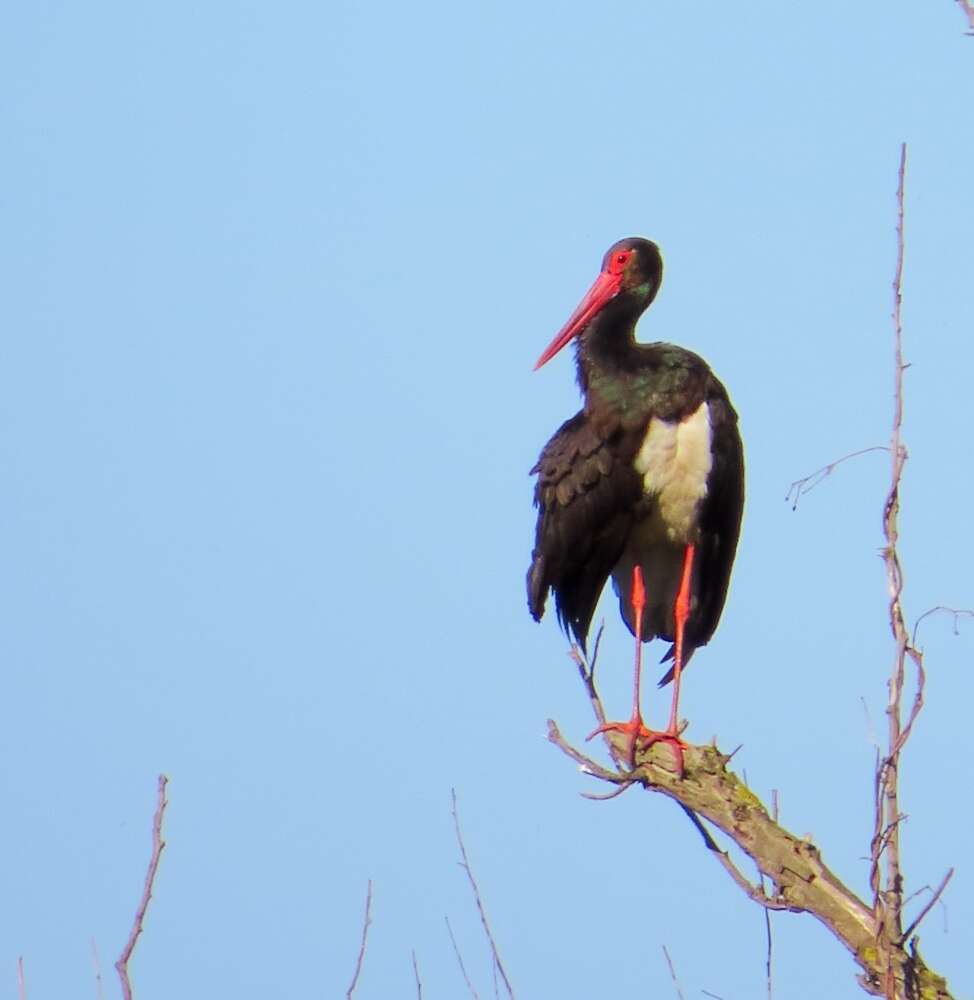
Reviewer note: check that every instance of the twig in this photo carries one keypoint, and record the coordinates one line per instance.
(365, 937)
(938, 892)
(676, 982)
(463, 970)
(419, 985)
(586, 764)
(755, 892)
(21, 983)
(465, 864)
(586, 670)
(767, 911)
(806, 484)
(158, 845)
(958, 613)
(97, 964)
(968, 8)
(888, 903)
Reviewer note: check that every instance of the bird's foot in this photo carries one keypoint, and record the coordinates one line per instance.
(641, 736)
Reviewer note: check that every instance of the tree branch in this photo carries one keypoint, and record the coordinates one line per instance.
(463, 968)
(938, 892)
(366, 922)
(968, 8)
(158, 845)
(800, 879)
(419, 984)
(465, 865)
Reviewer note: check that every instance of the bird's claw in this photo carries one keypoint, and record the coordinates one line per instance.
(646, 737)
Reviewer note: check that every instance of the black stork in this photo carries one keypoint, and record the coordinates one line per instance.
(645, 484)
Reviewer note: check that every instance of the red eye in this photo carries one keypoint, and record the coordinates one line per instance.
(617, 262)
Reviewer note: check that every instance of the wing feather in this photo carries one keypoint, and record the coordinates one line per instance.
(587, 495)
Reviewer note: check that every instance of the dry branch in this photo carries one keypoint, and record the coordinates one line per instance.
(676, 982)
(97, 964)
(968, 8)
(158, 845)
(366, 922)
(463, 968)
(419, 984)
(800, 879)
(465, 865)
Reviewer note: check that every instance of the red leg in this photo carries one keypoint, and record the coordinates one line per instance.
(681, 612)
(635, 727)
(638, 606)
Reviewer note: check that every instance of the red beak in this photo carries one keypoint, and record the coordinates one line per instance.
(606, 287)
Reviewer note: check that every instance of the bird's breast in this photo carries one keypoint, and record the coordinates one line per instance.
(674, 461)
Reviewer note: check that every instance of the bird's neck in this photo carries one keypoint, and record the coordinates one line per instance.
(606, 357)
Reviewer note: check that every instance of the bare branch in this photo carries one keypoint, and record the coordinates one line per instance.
(676, 982)
(463, 970)
(97, 964)
(21, 982)
(586, 669)
(958, 613)
(419, 985)
(800, 880)
(888, 900)
(586, 764)
(968, 8)
(938, 892)
(465, 864)
(366, 923)
(806, 484)
(767, 912)
(158, 845)
(755, 892)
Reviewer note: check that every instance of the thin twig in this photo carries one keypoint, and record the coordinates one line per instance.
(463, 970)
(586, 764)
(97, 964)
(755, 892)
(958, 613)
(158, 845)
(366, 922)
(764, 889)
(586, 670)
(968, 8)
(21, 982)
(676, 982)
(465, 864)
(806, 484)
(767, 912)
(419, 985)
(595, 797)
(888, 899)
(938, 892)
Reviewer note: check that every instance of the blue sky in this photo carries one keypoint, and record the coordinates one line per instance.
(275, 277)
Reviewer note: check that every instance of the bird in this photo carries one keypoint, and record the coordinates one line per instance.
(644, 484)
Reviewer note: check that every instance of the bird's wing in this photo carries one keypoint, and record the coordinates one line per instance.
(587, 495)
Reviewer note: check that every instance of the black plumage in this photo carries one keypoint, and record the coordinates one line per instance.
(598, 515)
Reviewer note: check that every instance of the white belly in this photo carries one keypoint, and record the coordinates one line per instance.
(675, 461)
